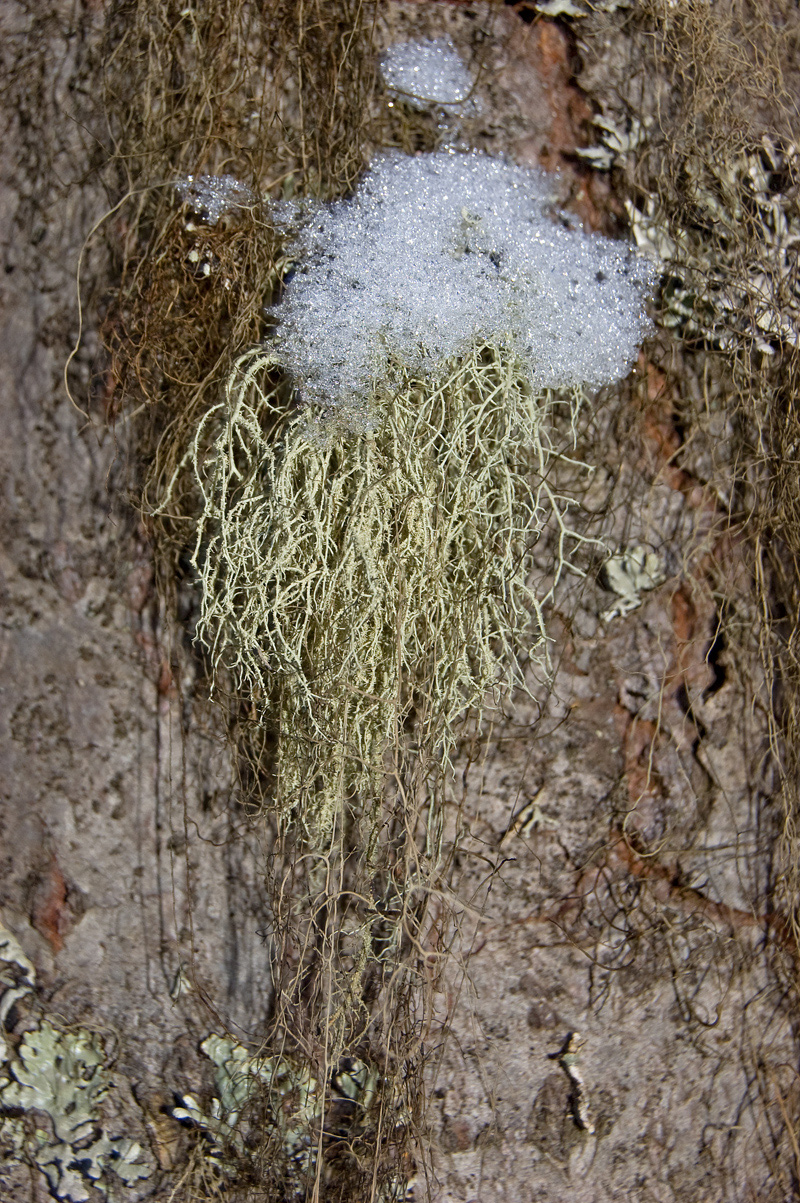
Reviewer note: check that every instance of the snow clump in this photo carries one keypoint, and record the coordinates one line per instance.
(437, 253)
(426, 73)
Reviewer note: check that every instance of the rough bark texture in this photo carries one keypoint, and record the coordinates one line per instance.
(119, 870)
(135, 886)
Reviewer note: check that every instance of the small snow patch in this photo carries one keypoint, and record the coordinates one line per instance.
(427, 72)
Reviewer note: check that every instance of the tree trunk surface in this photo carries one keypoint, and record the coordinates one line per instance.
(135, 885)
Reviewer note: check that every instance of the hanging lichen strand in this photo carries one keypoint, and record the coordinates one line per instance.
(356, 581)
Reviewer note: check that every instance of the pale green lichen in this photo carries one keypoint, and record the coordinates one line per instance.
(730, 274)
(64, 1075)
(60, 1073)
(293, 1094)
(292, 1106)
(354, 581)
(17, 979)
(618, 141)
(751, 204)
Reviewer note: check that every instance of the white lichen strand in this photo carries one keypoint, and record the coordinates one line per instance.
(440, 252)
(426, 72)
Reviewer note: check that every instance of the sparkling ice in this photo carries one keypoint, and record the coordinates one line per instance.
(426, 72)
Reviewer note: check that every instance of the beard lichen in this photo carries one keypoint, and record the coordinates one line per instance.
(362, 587)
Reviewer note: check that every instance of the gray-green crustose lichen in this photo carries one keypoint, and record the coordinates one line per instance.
(63, 1075)
(293, 1104)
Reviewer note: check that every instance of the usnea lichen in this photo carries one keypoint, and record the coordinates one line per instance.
(352, 580)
